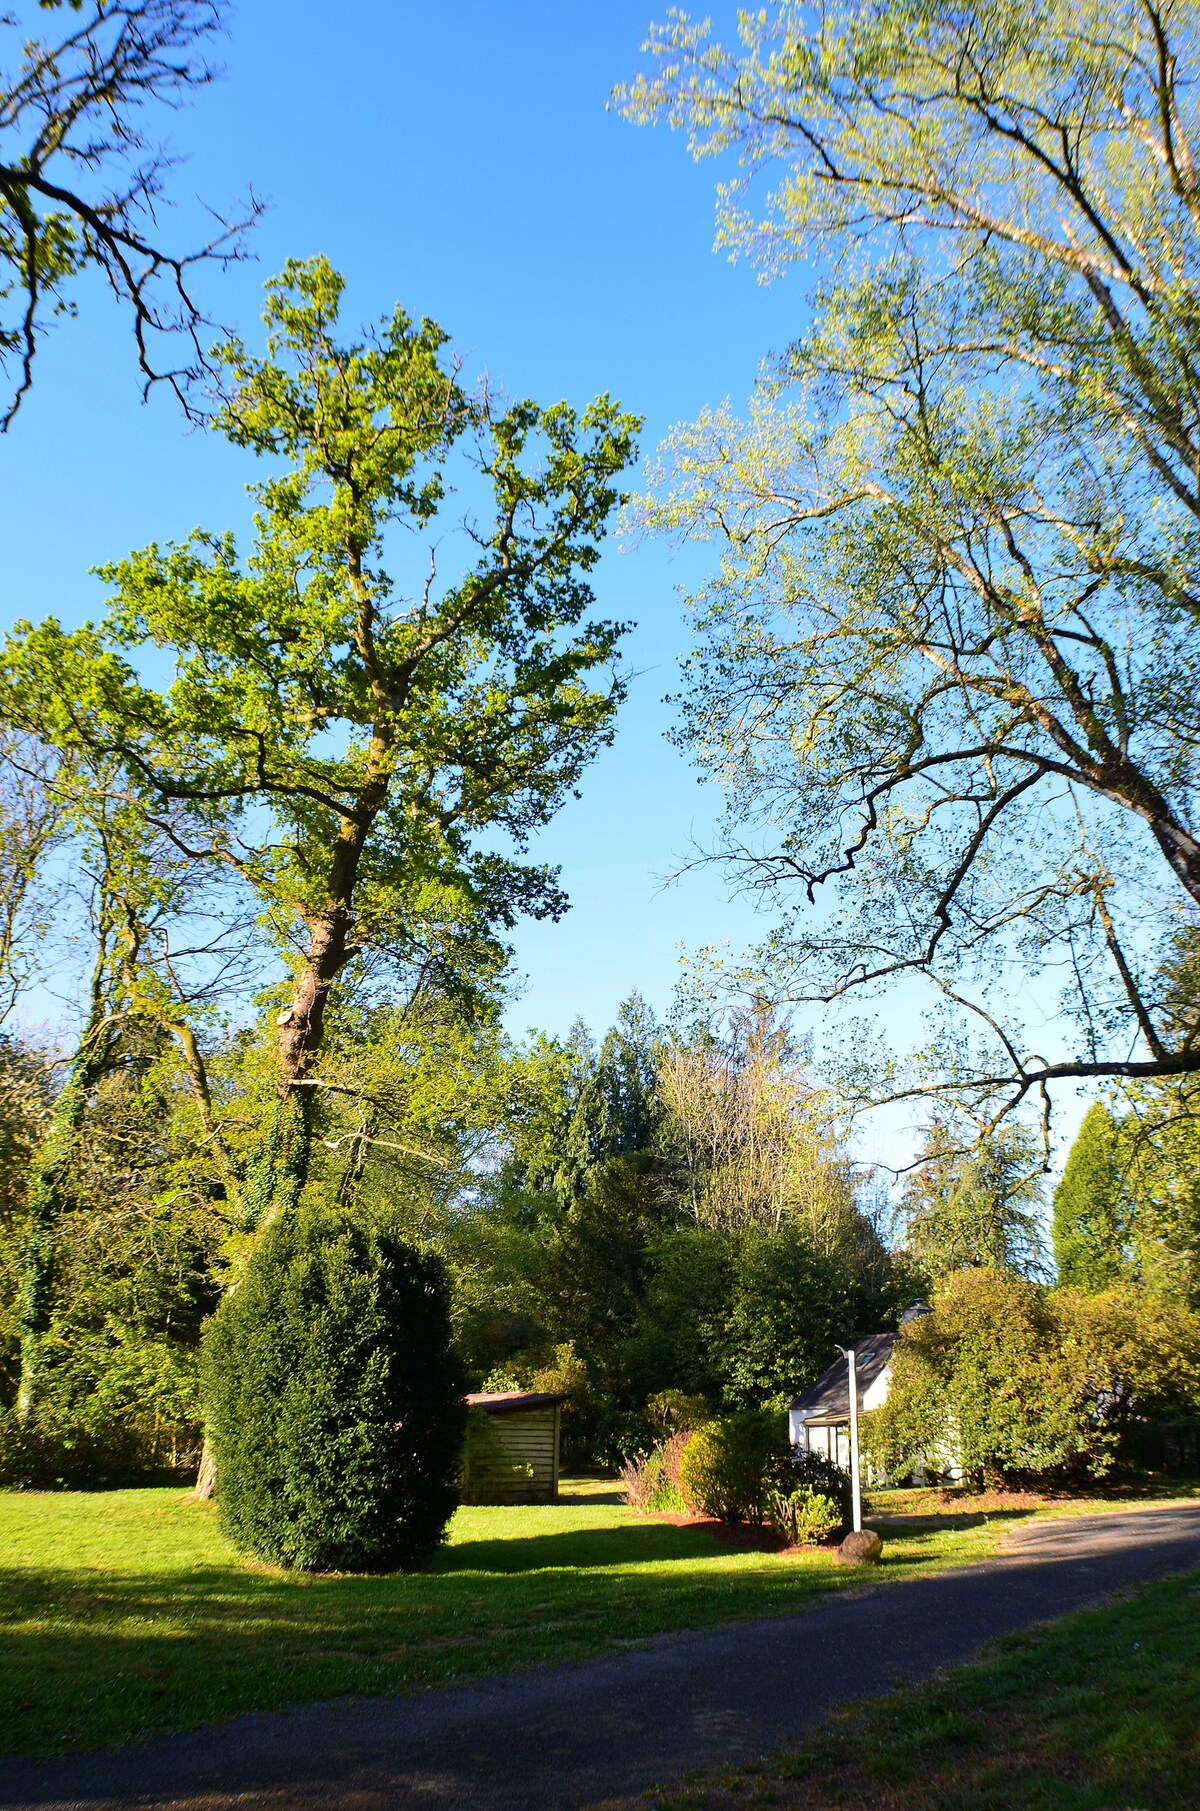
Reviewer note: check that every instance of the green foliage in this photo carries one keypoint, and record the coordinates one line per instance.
(946, 666)
(26, 1100)
(356, 757)
(802, 1516)
(674, 1345)
(596, 1258)
(138, 1233)
(749, 1319)
(1159, 1156)
(988, 1381)
(333, 1399)
(723, 1253)
(1018, 1384)
(974, 1201)
(1136, 1353)
(596, 1104)
(823, 1477)
(788, 1308)
(610, 1105)
(565, 1374)
(675, 1411)
(726, 1467)
(69, 1446)
(1089, 1224)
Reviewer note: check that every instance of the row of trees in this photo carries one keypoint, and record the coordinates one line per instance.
(945, 669)
(656, 1212)
(605, 1229)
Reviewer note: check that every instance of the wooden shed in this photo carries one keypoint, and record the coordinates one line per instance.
(511, 1451)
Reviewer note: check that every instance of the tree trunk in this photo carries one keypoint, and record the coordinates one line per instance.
(279, 1171)
(206, 1477)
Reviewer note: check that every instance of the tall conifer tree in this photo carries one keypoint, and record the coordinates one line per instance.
(1090, 1218)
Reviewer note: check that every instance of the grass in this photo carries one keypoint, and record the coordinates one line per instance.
(124, 1613)
(1098, 1711)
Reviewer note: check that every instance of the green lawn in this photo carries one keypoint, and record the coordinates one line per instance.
(1098, 1711)
(124, 1613)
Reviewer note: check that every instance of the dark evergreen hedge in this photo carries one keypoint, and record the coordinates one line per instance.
(333, 1399)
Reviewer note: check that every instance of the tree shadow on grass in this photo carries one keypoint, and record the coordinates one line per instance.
(630, 1544)
(113, 1658)
(243, 1588)
(906, 1525)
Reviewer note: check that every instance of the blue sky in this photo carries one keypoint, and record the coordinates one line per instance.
(458, 159)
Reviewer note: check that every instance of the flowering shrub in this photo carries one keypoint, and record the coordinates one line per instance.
(821, 1476)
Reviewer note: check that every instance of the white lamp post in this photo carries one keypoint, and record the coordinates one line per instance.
(852, 1380)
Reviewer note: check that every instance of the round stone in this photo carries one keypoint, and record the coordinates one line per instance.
(861, 1549)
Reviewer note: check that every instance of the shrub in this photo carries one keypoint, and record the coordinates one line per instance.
(802, 1515)
(334, 1399)
(652, 1483)
(640, 1476)
(57, 1449)
(631, 1437)
(567, 1375)
(726, 1469)
(501, 1378)
(822, 1477)
(991, 1379)
(113, 1408)
(1136, 1354)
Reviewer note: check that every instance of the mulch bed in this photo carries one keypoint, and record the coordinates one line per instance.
(749, 1537)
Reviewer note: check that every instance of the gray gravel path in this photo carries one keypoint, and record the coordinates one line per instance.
(568, 1738)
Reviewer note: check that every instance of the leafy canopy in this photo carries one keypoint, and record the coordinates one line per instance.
(362, 751)
(946, 670)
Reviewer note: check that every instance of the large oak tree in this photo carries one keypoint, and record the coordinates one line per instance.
(369, 756)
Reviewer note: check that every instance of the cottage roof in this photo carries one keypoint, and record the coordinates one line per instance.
(505, 1402)
(829, 1398)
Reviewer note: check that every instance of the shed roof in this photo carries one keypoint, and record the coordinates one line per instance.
(828, 1400)
(506, 1402)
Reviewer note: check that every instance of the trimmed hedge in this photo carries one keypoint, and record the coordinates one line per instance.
(333, 1399)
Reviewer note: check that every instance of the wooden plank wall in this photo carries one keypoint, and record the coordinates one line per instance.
(512, 1458)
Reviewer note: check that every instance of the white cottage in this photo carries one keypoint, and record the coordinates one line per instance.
(819, 1419)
